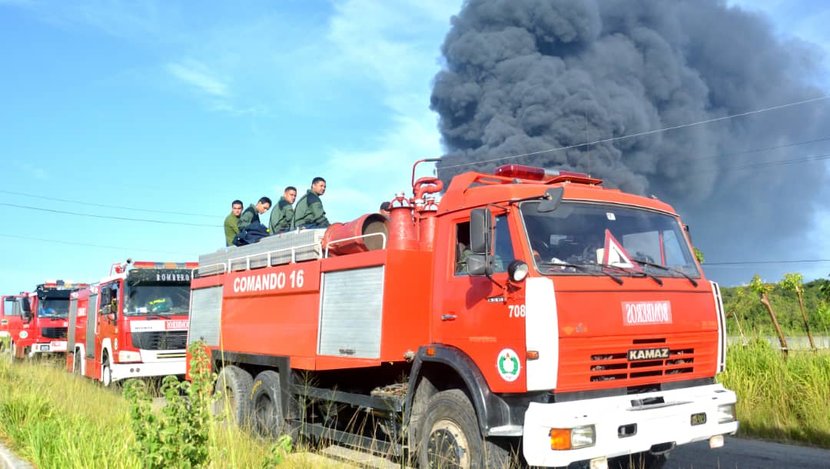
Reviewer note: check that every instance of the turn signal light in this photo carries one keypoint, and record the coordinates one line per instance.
(572, 438)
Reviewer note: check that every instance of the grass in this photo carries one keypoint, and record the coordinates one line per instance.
(782, 398)
(57, 420)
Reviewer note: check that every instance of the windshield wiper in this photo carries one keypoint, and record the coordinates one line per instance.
(667, 269)
(583, 268)
(636, 273)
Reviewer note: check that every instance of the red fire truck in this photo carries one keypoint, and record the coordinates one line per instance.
(132, 324)
(530, 311)
(44, 313)
(11, 322)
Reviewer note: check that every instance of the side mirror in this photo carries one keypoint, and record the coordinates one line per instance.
(479, 264)
(553, 197)
(25, 306)
(481, 231)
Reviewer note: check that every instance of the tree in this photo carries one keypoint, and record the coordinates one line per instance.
(763, 289)
(795, 283)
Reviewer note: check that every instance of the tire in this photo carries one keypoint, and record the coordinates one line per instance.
(644, 460)
(267, 416)
(234, 387)
(450, 438)
(76, 362)
(106, 372)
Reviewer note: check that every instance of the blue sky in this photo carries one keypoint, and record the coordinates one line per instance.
(156, 107)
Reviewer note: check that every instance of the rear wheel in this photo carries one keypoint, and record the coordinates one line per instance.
(450, 437)
(76, 362)
(234, 387)
(267, 415)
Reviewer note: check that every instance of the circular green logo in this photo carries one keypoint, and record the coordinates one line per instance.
(508, 365)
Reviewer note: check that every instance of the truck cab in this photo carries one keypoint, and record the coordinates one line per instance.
(133, 323)
(44, 315)
(11, 322)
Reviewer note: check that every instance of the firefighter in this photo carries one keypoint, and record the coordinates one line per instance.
(282, 217)
(309, 212)
(385, 208)
(252, 213)
(232, 222)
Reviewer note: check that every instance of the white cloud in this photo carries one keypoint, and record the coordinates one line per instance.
(197, 75)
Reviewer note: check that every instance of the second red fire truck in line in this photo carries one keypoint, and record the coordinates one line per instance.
(131, 324)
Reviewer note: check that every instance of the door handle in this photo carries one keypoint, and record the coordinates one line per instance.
(449, 317)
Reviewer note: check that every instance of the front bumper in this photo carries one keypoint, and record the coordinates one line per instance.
(154, 363)
(54, 346)
(626, 424)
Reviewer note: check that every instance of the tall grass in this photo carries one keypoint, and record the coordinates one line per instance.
(58, 420)
(780, 397)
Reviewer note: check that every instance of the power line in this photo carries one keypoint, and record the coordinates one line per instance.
(72, 243)
(109, 217)
(93, 204)
(801, 261)
(646, 132)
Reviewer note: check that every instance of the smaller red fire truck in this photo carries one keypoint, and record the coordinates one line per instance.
(43, 314)
(132, 324)
(11, 324)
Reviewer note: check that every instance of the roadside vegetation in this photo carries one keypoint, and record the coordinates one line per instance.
(57, 420)
(783, 393)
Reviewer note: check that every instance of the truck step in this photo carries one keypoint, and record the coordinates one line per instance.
(359, 458)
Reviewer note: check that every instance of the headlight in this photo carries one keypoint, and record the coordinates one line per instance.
(127, 356)
(24, 334)
(572, 438)
(517, 271)
(726, 413)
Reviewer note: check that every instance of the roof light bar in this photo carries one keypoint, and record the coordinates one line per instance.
(535, 173)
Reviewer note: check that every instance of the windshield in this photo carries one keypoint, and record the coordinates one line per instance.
(53, 308)
(583, 234)
(157, 299)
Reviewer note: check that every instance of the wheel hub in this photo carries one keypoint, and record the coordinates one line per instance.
(447, 447)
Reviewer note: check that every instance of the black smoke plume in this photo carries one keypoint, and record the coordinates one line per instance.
(526, 76)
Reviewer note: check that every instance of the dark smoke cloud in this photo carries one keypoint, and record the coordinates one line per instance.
(524, 76)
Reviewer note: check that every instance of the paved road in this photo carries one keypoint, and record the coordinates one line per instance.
(748, 454)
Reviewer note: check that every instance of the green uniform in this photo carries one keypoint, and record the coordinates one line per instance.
(309, 212)
(249, 215)
(282, 217)
(231, 228)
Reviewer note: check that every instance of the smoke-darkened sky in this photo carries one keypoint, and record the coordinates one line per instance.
(526, 76)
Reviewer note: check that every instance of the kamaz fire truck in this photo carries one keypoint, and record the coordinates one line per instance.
(132, 324)
(528, 311)
(44, 312)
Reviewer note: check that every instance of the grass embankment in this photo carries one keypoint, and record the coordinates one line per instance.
(56, 420)
(782, 398)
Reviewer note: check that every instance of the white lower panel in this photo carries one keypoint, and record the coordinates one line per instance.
(143, 370)
(669, 422)
(541, 333)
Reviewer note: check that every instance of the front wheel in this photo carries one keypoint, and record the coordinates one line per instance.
(106, 372)
(76, 362)
(450, 437)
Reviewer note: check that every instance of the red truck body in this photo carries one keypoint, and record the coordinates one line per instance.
(132, 324)
(537, 312)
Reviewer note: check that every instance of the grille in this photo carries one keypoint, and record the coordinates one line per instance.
(615, 366)
(163, 340)
(53, 332)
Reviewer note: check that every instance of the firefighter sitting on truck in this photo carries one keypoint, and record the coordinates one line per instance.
(309, 211)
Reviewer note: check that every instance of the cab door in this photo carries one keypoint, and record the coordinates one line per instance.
(474, 312)
(107, 321)
(10, 322)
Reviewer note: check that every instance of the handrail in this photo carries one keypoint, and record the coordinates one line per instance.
(382, 235)
(268, 255)
(195, 271)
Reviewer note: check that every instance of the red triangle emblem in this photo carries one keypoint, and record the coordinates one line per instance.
(615, 254)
